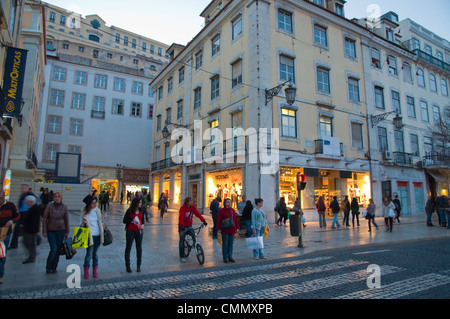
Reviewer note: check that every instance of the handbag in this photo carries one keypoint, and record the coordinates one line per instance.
(2, 250)
(107, 236)
(80, 237)
(227, 223)
(66, 249)
(255, 242)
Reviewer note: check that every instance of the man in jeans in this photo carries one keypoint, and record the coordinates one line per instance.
(8, 216)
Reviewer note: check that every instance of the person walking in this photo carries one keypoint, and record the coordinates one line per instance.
(398, 208)
(91, 217)
(186, 214)
(388, 213)
(134, 226)
(282, 211)
(320, 206)
(8, 216)
(442, 203)
(447, 210)
(162, 205)
(55, 227)
(214, 207)
(30, 223)
(345, 206)
(371, 208)
(430, 208)
(259, 224)
(354, 206)
(22, 208)
(227, 229)
(247, 215)
(335, 208)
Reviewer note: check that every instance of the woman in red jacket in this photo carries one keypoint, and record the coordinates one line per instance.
(227, 225)
(187, 212)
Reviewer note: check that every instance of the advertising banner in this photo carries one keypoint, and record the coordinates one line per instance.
(15, 63)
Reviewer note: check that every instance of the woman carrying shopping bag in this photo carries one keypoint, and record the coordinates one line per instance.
(259, 224)
(91, 217)
(227, 225)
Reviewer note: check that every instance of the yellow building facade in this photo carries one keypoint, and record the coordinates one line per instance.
(220, 79)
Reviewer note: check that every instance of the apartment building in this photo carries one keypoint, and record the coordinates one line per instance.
(97, 101)
(220, 79)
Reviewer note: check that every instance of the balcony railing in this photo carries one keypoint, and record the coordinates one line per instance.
(436, 159)
(97, 114)
(401, 158)
(163, 164)
(433, 60)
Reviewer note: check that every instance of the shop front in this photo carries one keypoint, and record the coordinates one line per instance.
(325, 183)
(135, 180)
(224, 184)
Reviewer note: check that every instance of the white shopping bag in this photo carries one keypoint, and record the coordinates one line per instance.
(255, 242)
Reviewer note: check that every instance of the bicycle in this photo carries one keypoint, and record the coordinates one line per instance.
(192, 242)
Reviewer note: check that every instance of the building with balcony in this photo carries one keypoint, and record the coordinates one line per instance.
(97, 101)
(219, 84)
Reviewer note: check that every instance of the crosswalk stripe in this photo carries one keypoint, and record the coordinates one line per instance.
(252, 279)
(309, 286)
(46, 293)
(400, 288)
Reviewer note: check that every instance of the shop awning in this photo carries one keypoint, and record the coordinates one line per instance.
(438, 177)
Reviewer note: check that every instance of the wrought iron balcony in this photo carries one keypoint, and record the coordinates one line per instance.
(163, 164)
(432, 60)
(436, 160)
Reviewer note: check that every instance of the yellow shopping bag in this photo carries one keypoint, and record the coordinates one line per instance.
(80, 237)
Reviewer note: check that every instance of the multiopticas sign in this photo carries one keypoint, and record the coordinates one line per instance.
(13, 79)
(263, 146)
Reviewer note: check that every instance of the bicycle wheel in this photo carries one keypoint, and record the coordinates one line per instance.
(187, 245)
(200, 253)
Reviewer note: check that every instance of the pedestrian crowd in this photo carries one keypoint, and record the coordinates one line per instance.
(47, 213)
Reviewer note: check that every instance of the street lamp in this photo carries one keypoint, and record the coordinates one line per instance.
(290, 92)
(165, 131)
(398, 120)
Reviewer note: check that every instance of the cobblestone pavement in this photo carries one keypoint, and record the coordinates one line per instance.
(413, 261)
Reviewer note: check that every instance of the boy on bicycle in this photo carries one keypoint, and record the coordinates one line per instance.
(187, 212)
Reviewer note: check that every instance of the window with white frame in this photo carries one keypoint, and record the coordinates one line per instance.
(158, 122)
(382, 139)
(415, 44)
(215, 87)
(399, 141)
(78, 101)
(436, 115)
(197, 98)
(117, 106)
(287, 70)
(74, 149)
(76, 127)
(353, 89)
(420, 77)
(320, 35)
(160, 93)
(57, 97)
(199, 60)
(379, 97)
(444, 87)
(357, 135)
(350, 48)
(54, 124)
(169, 85)
(181, 75)
(407, 72)
(100, 81)
(288, 123)
(339, 9)
(285, 21)
(414, 145)
(50, 152)
(376, 58)
(59, 74)
(236, 25)
(119, 84)
(395, 98)
(137, 87)
(410, 106)
(323, 80)
(424, 111)
(80, 77)
(180, 106)
(433, 82)
(392, 62)
(136, 109)
(215, 45)
(236, 73)
(98, 107)
(325, 126)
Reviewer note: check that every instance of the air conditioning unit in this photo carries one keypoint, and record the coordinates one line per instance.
(387, 155)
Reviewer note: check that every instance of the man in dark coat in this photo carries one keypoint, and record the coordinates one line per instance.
(31, 221)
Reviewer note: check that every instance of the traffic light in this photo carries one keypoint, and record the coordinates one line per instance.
(301, 184)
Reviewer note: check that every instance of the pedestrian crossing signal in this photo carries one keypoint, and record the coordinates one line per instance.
(301, 184)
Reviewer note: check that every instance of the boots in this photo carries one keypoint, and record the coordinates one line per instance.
(94, 272)
(86, 272)
(128, 267)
